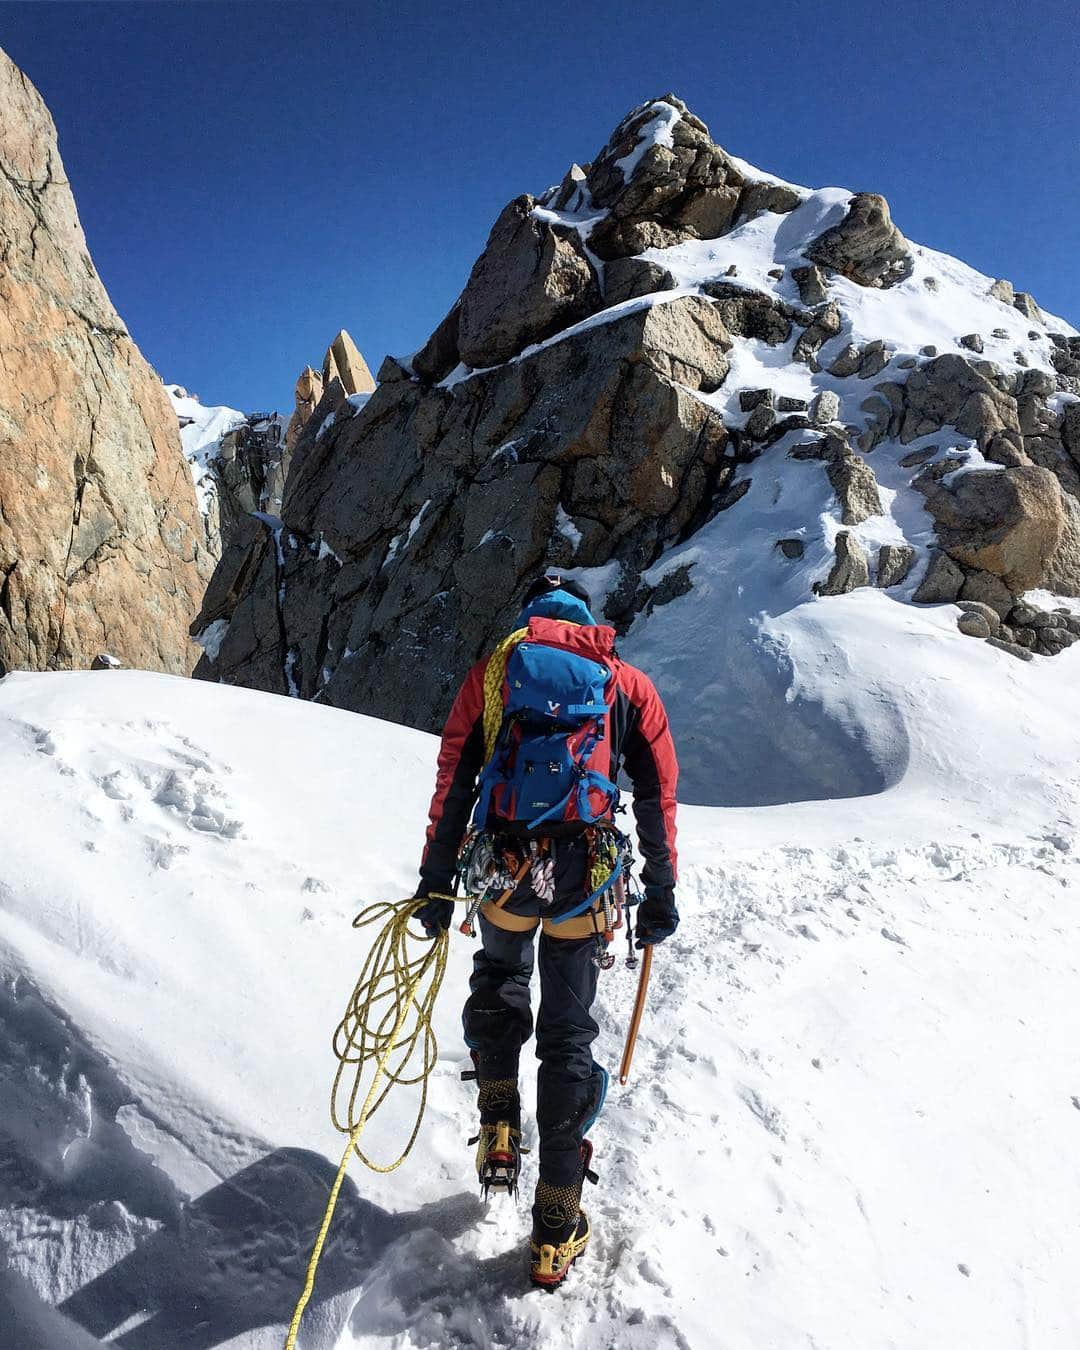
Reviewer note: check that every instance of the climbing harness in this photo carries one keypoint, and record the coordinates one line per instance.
(487, 865)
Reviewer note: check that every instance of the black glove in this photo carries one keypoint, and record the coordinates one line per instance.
(657, 917)
(436, 916)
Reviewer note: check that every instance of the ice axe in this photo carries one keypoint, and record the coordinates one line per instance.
(635, 1016)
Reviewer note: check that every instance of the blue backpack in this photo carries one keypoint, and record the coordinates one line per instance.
(554, 718)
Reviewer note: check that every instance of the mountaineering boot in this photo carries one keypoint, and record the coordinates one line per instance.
(498, 1153)
(561, 1229)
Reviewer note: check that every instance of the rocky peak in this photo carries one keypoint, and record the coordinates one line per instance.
(667, 362)
(309, 388)
(101, 542)
(662, 181)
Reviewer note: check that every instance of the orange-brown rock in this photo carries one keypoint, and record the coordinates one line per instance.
(101, 543)
(344, 362)
(309, 388)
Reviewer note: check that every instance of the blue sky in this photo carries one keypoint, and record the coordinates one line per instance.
(253, 177)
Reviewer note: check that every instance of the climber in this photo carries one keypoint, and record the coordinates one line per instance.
(534, 755)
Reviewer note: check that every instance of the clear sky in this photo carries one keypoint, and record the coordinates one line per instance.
(253, 176)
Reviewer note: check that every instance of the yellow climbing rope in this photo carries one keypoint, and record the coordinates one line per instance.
(494, 674)
(390, 1011)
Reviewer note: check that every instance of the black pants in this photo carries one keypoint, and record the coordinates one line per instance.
(498, 1017)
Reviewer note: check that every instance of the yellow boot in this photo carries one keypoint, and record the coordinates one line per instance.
(561, 1229)
(498, 1154)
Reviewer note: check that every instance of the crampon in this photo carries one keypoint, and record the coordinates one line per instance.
(498, 1158)
(550, 1262)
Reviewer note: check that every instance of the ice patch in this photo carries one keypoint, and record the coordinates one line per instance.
(211, 638)
(567, 528)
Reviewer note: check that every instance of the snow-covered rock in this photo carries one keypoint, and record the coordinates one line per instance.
(773, 363)
(239, 462)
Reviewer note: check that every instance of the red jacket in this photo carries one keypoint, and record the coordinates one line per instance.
(637, 735)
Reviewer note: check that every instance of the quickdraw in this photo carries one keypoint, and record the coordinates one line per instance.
(490, 868)
(490, 871)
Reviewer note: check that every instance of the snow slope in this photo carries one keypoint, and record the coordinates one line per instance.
(854, 1110)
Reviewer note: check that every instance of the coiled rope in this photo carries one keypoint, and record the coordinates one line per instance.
(388, 1018)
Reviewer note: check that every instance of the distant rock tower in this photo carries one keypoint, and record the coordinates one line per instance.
(344, 362)
(309, 387)
(344, 373)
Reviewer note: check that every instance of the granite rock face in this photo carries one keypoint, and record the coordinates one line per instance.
(850, 568)
(1007, 523)
(251, 466)
(239, 463)
(414, 525)
(102, 545)
(532, 280)
(309, 387)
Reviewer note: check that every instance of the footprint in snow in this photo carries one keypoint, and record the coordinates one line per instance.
(43, 740)
(115, 785)
(649, 1272)
(768, 1115)
(163, 855)
(184, 793)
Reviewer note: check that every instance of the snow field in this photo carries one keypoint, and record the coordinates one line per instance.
(855, 1074)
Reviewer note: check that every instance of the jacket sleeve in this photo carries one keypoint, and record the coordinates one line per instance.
(648, 756)
(461, 757)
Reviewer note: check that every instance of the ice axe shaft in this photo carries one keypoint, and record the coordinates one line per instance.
(635, 1017)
